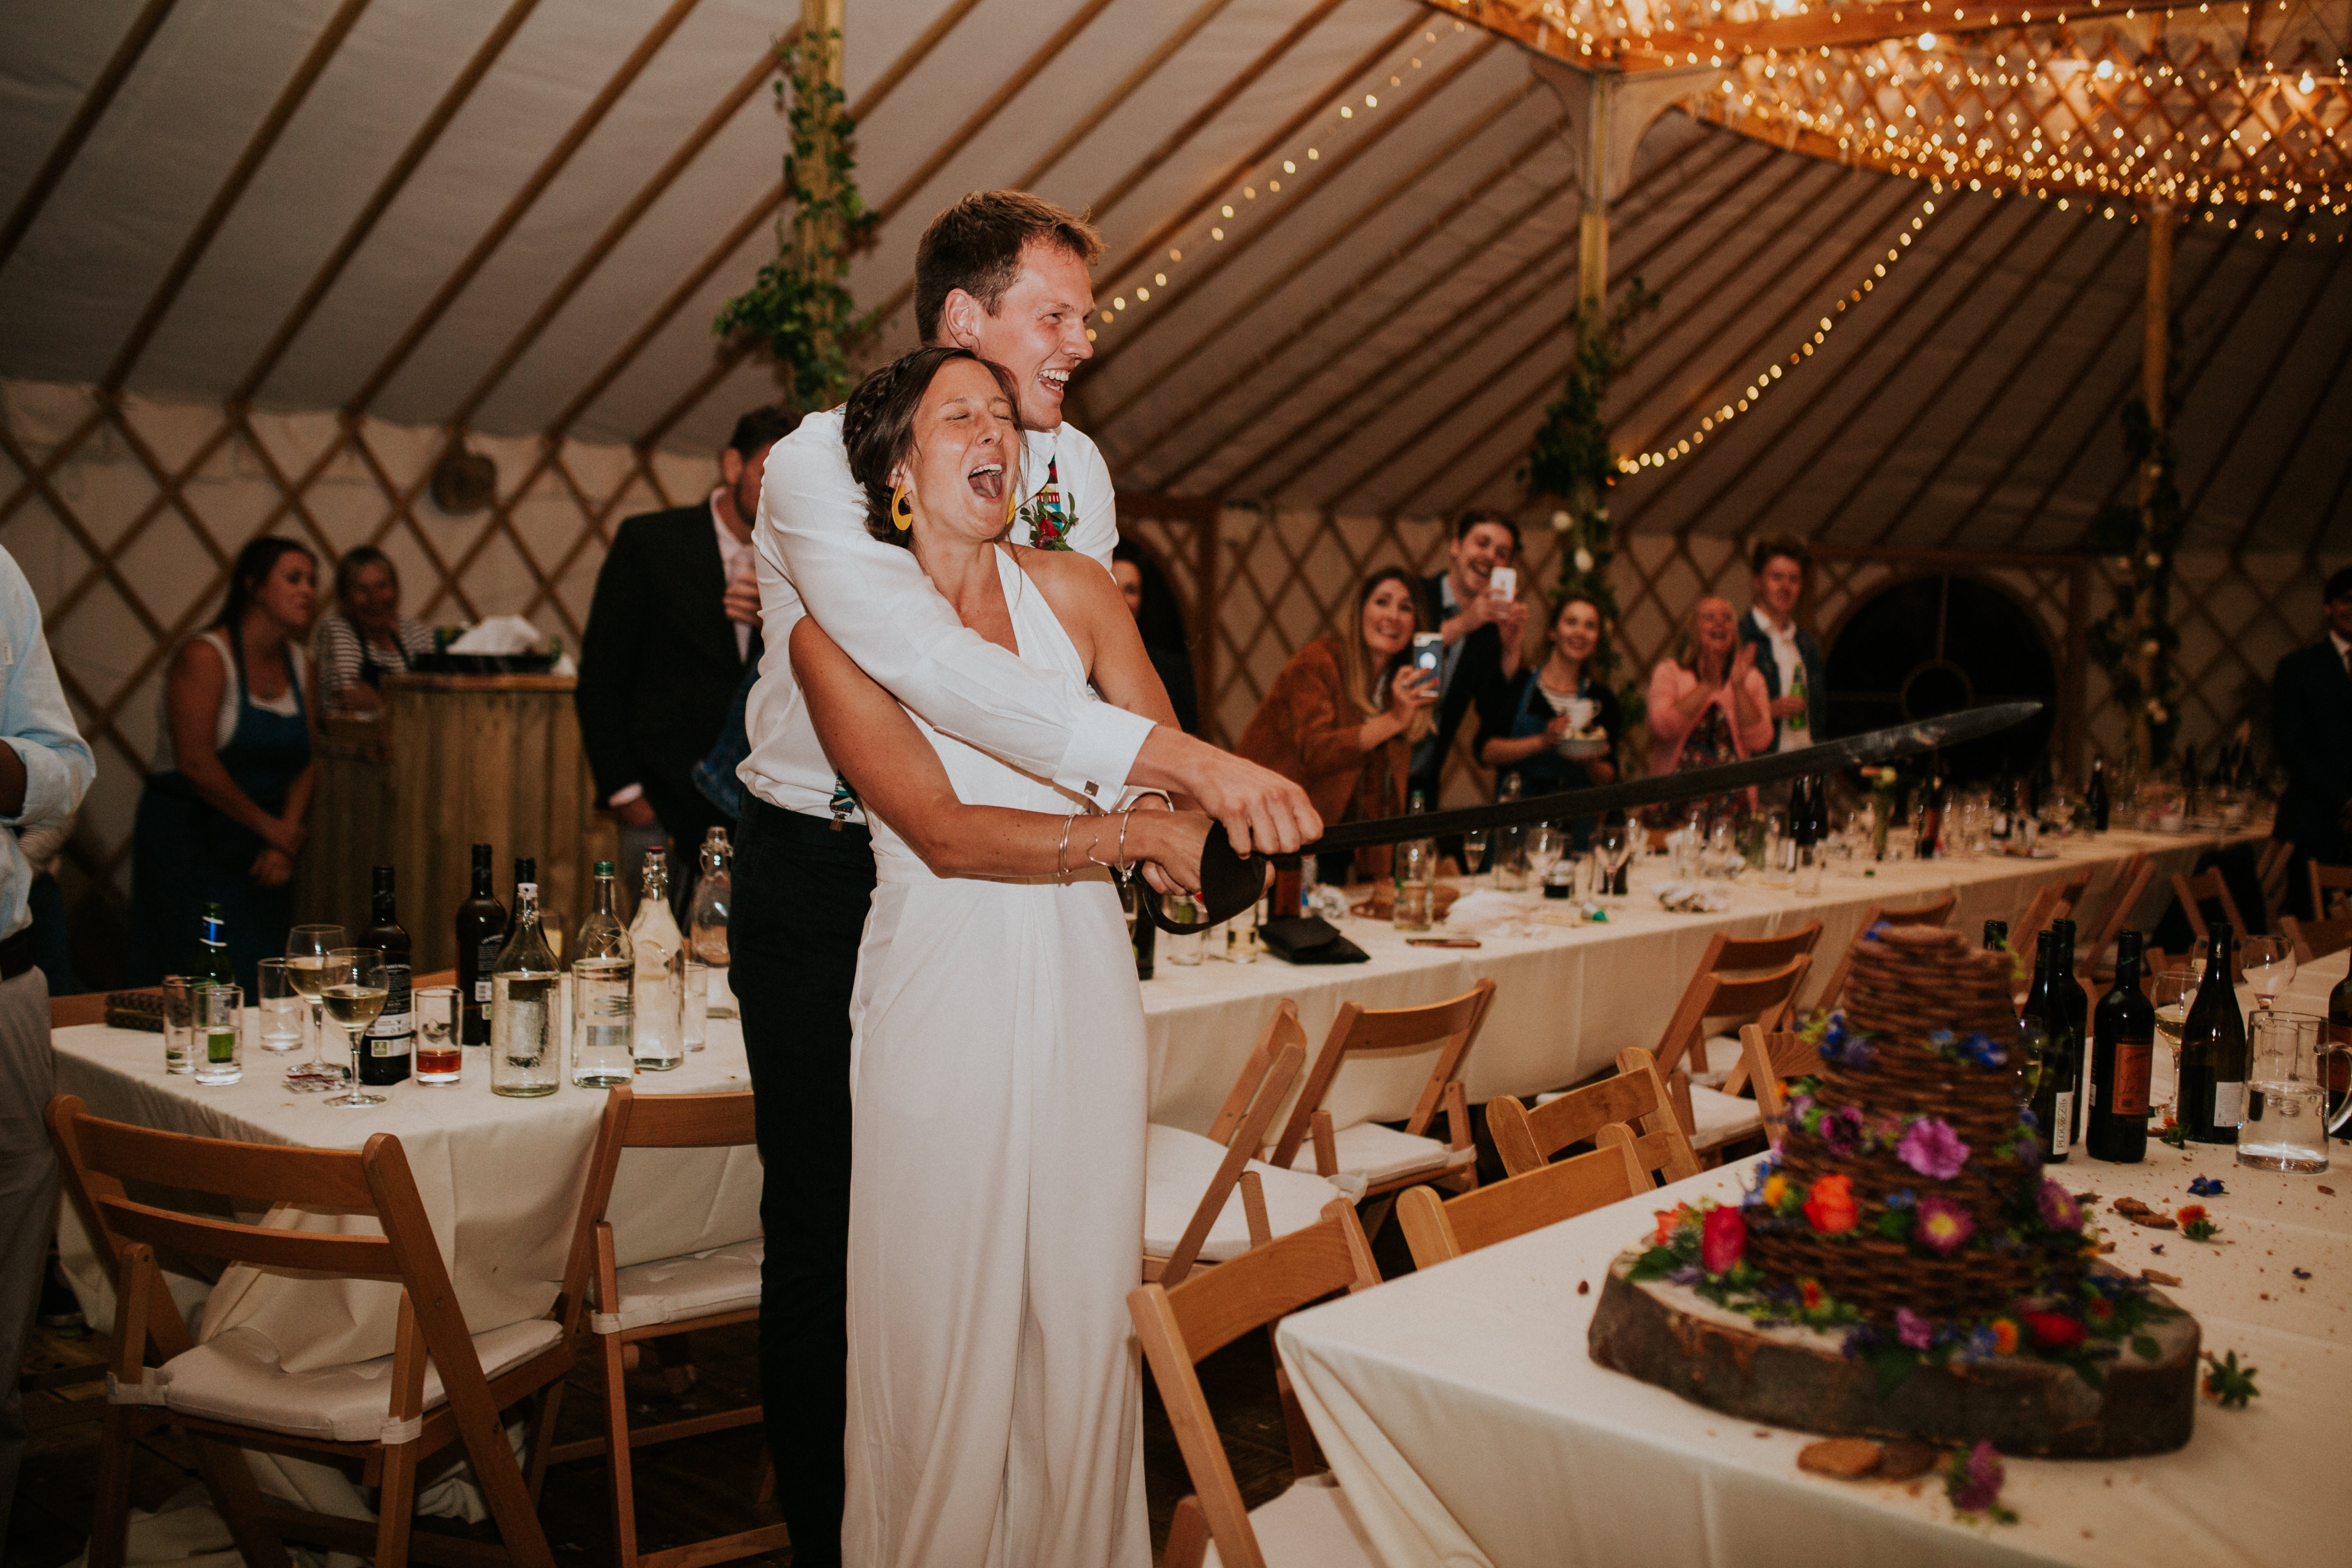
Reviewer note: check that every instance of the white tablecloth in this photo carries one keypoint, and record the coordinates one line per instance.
(1460, 1410)
(1568, 1000)
(500, 1178)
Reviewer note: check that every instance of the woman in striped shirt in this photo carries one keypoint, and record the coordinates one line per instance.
(367, 634)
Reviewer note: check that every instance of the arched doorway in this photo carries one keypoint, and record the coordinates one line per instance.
(1930, 645)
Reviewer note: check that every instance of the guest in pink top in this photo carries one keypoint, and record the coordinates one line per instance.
(1707, 705)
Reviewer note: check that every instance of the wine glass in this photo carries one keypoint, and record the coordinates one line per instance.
(2175, 989)
(1612, 846)
(1546, 844)
(1474, 851)
(2269, 965)
(354, 993)
(307, 948)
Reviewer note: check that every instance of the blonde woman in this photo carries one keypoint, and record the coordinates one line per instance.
(1341, 718)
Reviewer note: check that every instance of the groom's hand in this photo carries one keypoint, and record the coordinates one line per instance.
(1263, 812)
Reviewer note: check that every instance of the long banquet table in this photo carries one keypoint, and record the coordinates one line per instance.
(1467, 1425)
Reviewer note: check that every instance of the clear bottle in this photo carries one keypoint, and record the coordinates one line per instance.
(706, 925)
(526, 1045)
(660, 953)
(2213, 1053)
(603, 992)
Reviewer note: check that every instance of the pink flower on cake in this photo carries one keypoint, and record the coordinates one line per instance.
(1933, 1149)
(2059, 1211)
(1914, 1330)
(1723, 1242)
(1831, 1205)
(1942, 1226)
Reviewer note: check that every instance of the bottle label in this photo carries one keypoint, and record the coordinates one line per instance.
(2129, 1095)
(2062, 1125)
(2229, 1104)
(395, 1029)
(486, 958)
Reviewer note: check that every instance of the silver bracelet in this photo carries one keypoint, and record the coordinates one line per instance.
(1061, 855)
(1124, 870)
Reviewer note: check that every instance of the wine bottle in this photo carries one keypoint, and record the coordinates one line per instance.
(1996, 935)
(2339, 1011)
(1930, 819)
(392, 1039)
(2077, 1004)
(2053, 1091)
(2122, 1048)
(213, 966)
(1142, 934)
(2095, 797)
(2213, 1055)
(481, 931)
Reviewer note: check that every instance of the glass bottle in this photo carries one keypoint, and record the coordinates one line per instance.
(481, 932)
(714, 899)
(2076, 1004)
(392, 1039)
(2101, 806)
(2054, 1090)
(213, 966)
(659, 952)
(2122, 1049)
(2213, 1053)
(603, 992)
(526, 1047)
(1142, 936)
(1996, 935)
(1413, 870)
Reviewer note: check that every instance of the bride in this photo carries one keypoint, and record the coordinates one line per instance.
(997, 1067)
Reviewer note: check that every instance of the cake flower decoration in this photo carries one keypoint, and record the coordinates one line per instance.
(1912, 1329)
(1933, 1149)
(2059, 1211)
(1722, 1241)
(1830, 1205)
(1973, 1481)
(1943, 1227)
(2205, 1187)
(1842, 1130)
(2053, 1330)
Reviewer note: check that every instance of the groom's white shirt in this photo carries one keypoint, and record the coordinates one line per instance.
(816, 558)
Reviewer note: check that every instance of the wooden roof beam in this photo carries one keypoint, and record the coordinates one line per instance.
(258, 147)
(92, 109)
(1111, 101)
(2295, 447)
(1855, 27)
(522, 202)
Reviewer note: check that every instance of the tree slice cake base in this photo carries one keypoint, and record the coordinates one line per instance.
(1669, 1335)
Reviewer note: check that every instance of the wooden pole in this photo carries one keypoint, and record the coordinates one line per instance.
(1593, 229)
(820, 248)
(2155, 349)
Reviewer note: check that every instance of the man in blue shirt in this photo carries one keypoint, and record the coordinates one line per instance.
(44, 770)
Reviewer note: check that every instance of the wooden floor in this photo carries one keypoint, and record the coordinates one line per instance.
(699, 1486)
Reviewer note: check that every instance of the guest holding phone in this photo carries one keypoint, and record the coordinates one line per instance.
(1342, 718)
(1473, 605)
(1558, 709)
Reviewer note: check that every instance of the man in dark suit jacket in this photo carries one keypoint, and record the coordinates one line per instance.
(1482, 632)
(2311, 727)
(661, 659)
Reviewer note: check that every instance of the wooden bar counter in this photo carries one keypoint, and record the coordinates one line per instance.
(451, 761)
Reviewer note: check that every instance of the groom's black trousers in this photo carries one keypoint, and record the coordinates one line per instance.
(801, 889)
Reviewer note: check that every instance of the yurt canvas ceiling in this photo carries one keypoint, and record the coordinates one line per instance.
(1341, 250)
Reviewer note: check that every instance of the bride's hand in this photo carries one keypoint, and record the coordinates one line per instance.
(1170, 843)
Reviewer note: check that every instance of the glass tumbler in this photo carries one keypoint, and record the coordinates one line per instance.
(1183, 950)
(694, 1005)
(440, 1051)
(280, 1007)
(218, 1036)
(179, 1019)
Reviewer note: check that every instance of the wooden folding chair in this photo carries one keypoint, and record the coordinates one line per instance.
(1685, 1035)
(2209, 885)
(1702, 1112)
(442, 1386)
(1634, 1096)
(658, 1300)
(2055, 899)
(1766, 1061)
(1437, 1232)
(2271, 867)
(1388, 1161)
(2329, 884)
(2131, 881)
(1934, 914)
(1182, 1168)
(1181, 1326)
(2314, 939)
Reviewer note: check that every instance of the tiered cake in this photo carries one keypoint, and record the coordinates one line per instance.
(1901, 1266)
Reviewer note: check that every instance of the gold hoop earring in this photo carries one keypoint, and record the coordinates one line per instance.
(1012, 496)
(902, 507)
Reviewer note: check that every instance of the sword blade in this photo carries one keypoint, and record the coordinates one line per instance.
(1828, 756)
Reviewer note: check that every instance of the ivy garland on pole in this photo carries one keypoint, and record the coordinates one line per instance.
(1572, 465)
(2135, 642)
(799, 305)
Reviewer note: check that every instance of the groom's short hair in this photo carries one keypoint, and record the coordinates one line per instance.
(976, 246)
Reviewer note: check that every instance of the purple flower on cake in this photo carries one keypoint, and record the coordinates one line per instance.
(1974, 1482)
(1914, 1330)
(1841, 1130)
(1901, 1198)
(1942, 1226)
(2059, 1211)
(1981, 1048)
(1933, 1149)
(1844, 1047)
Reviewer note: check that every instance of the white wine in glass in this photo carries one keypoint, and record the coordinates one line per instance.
(307, 950)
(354, 993)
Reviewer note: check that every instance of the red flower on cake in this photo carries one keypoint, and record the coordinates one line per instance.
(1808, 1293)
(1831, 1206)
(1724, 1241)
(2052, 1331)
(1670, 1221)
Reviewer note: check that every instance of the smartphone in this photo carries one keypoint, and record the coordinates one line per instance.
(1428, 652)
(1504, 583)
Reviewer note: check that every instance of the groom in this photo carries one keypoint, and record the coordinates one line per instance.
(1004, 274)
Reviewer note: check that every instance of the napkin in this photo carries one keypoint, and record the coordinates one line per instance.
(500, 634)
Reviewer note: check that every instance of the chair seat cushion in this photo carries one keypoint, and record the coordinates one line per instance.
(1719, 1118)
(1379, 1153)
(235, 1377)
(1178, 1166)
(677, 1289)
(1309, 1526)
(1722, 1055)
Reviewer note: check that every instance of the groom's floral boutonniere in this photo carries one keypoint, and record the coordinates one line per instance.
(1048, 514)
